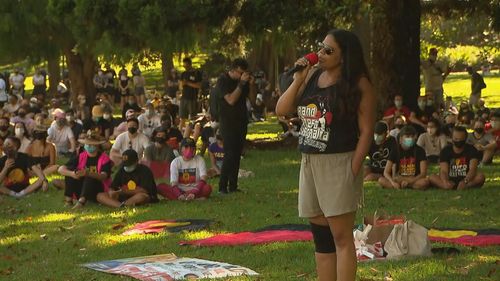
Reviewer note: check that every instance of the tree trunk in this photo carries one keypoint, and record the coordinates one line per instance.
(166, 65)
(54, 74)
(81, 69)
(396, 50)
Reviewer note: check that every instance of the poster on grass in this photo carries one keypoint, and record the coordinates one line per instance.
(169, 267)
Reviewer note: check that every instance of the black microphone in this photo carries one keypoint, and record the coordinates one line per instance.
(311, 57)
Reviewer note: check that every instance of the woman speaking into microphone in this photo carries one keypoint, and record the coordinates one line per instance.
(336, 104)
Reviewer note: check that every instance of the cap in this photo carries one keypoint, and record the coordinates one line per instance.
(58, 113)
(34, 100)
(189, 142)
(130, 157)
(97, 111)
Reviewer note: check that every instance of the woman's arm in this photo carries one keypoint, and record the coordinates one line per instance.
(366, 121)
(287, 103)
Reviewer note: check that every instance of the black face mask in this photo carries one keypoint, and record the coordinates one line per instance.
(22, 114)
(40, 135)
(132, 130)
(160, 140)
(479, 130)
(399, 126)
(4, 128)
(459, 144)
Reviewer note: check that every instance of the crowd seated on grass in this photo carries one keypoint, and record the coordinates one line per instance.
(38, 132)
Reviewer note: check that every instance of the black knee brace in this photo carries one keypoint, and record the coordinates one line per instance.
(323, 239)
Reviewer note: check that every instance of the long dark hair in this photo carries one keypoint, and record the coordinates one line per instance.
(352, 69)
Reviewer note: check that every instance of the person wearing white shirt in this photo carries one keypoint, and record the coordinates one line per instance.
(149, 120)
(39, 84)
(17, 82)
(3, 90)
(61, 135)
(130, 139)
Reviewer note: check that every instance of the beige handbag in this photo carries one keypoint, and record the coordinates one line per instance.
(408, 239)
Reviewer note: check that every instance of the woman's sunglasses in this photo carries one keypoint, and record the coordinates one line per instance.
(323, 46)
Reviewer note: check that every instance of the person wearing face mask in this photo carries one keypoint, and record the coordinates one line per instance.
(73, 123)
(149, 120)
(483, 142)
(399, 123)
(188, 175)
(132, 185)
(407, 165)
(393, 112)
(22, 134)
(159, 155)
(43, 153)
(88, 173)
(450, 120)
(4, 127)
(380, 149)
(97, 120)
(435, 72)
(421, 115)
(159, 151)
(22, 117)
(131, 104)
(458, 167)
(61, 135)
(131, 139)
(15, 167)
(432, 141)
(34, 107)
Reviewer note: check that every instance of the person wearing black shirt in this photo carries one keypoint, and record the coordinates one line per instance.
(335, 103)
(458, 164)
(14, 173)
(232, 89)
(191, 84)
(132, 185)
(409, 162)
(88, 173)
(476, 85)
(380, 149)
(421, 115)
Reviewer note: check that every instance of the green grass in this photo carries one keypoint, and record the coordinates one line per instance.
(42, 240)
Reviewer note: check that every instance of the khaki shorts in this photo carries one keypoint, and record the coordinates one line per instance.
(327, 185)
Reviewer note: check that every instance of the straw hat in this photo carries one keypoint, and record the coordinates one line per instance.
(92, 138)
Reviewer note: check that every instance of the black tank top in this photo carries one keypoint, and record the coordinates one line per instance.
(323, 130)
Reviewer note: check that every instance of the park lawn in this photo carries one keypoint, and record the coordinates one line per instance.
(42, 240)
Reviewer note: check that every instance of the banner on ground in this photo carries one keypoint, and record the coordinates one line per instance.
(168, 267)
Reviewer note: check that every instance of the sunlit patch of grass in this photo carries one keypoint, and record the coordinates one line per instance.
(11, 240)
(53, 217)
(459, 212)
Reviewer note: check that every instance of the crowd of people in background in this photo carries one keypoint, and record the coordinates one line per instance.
(150, 139)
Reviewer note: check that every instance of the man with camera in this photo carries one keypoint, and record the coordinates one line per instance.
(232, 90)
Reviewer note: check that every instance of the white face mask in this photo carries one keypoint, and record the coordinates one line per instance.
(106, 116)
(19, 132)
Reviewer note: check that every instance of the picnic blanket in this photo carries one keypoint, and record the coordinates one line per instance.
(157, 226)
(301, 232)
(169, 267)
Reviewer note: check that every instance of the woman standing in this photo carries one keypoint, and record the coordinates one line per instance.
(336, 105)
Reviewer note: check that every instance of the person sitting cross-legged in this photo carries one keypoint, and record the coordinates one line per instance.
(458, 164)
(379, 152)
(14, 176)
(188, 175)
(132, 185)
(88, 173)
(407, 165)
